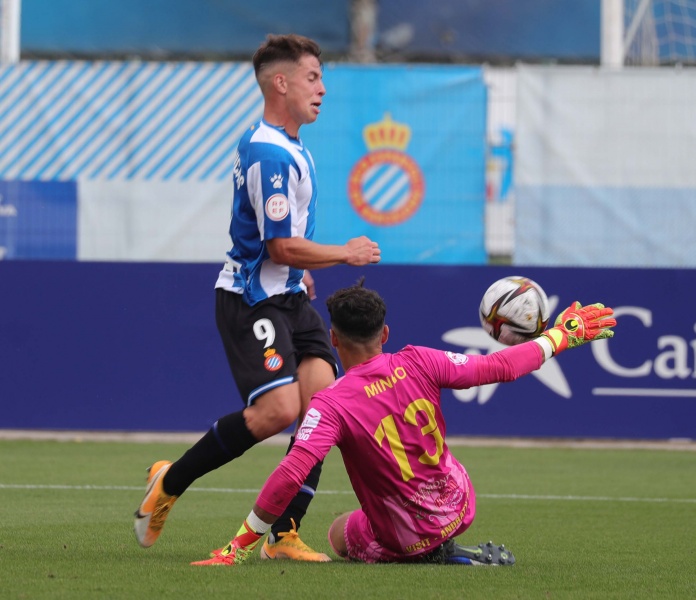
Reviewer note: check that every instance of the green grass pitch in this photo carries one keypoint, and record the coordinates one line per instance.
(582, 523)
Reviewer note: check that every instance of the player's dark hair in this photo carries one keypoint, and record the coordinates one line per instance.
(290, 47)
(357, 312)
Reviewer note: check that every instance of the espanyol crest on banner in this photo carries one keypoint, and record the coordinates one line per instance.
(386, 186)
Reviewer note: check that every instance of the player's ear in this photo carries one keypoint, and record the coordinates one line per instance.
(280, 83)
(385, 334)
(334, 339)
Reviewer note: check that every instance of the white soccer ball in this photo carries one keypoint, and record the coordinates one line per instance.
(514, 310)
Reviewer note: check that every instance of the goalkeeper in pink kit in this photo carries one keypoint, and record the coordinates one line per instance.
(384, 415)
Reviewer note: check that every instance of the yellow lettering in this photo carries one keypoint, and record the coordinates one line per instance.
(454, 524)
(372, 390)
(419, 545)
(377, 387)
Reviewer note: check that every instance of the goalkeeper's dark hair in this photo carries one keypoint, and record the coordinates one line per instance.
(357, 313)
(277, 48)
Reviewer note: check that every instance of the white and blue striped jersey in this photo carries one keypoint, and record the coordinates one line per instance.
(275, 196)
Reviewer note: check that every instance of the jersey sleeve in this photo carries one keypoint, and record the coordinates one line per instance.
(317, 434)
(284, 483)
(460, 371)
(273, 176)
(321, 428)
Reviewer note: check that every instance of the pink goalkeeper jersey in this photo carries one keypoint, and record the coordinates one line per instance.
(385, 417)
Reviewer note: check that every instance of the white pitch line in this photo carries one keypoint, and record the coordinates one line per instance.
(111, 488)
(586, 498)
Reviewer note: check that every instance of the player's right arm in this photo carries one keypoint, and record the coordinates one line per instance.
(316, 436)
(280, 488)
(283, 484)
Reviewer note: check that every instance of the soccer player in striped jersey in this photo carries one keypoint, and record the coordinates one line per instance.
(276, 343)
(385, 417)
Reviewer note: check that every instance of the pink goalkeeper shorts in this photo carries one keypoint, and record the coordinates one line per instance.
(363, 546)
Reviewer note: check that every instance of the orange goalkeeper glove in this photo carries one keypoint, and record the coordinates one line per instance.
(577, 325)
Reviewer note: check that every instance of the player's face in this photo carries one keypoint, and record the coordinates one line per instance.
(305, 90)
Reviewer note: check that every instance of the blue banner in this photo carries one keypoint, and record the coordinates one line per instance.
(161, 27)
(533, 29)
(38, 219)
(640, 384)
(117, 346)
(400, 154)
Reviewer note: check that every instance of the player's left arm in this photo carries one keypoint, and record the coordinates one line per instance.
(453, 370)
(276, 199)
(273, 190)
(574, 327)
(301, 253)
(506, 365)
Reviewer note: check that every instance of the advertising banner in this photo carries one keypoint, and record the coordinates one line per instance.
(401, 157)
(603, 171)
(38, 219)
(639, 384)
(148, 149)
(116, 346)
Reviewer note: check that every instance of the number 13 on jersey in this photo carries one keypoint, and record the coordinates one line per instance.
(387, 429)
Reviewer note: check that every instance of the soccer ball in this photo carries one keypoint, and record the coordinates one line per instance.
(514, 310)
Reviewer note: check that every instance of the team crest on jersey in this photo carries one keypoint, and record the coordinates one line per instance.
(457, 359)
(274, 361)
(386, 186)
(277, 207)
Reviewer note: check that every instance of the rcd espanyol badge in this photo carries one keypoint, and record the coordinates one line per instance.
(386, 186)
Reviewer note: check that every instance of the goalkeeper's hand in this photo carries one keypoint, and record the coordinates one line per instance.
(577, 325)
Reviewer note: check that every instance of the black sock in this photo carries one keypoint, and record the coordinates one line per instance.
(227, 439)
(299, 504)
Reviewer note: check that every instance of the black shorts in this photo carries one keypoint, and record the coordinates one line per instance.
(266, 342)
